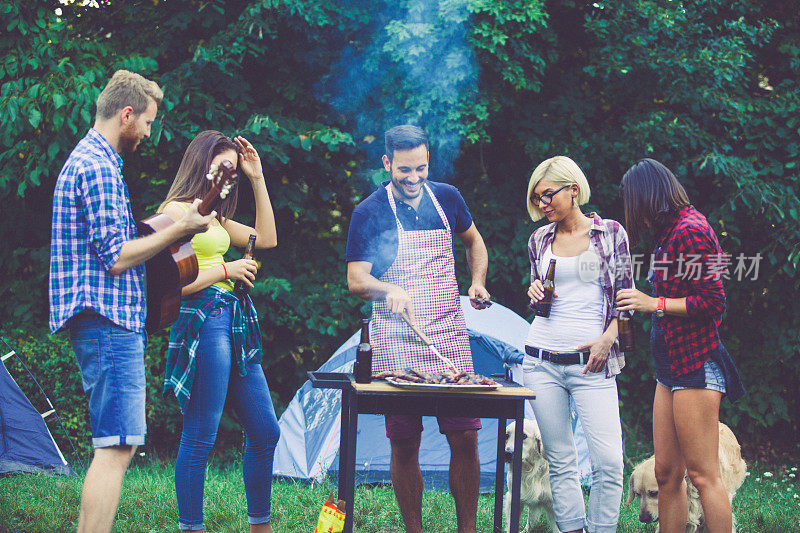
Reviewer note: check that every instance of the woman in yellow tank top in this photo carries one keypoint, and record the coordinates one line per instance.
(215, 345)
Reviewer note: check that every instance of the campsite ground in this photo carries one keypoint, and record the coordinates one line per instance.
(768, 502)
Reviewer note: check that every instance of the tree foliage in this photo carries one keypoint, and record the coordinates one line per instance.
(710, 88)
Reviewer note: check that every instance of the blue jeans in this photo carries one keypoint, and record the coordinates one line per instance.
(111, 359)
(597, 404)
(215, 378)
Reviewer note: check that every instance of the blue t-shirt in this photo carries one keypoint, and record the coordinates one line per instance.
(373, 233)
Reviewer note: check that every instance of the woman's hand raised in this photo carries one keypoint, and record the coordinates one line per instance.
(249, 160)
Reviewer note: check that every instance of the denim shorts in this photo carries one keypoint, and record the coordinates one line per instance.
(111, 360)
(709, 376)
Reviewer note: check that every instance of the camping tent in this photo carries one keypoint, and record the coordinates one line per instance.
(310, 425)
(26, 444)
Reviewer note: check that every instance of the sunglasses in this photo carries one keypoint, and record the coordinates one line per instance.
(546, 198)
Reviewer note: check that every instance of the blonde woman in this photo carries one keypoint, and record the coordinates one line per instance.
(574, 351)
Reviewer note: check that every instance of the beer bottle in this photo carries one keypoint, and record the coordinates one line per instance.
(543, 305)
(363, 366)
(239, 287)
(625, 332)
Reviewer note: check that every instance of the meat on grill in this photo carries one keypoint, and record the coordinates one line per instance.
(448, 377)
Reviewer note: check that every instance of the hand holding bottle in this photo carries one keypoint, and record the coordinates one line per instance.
(536, 291)
(243, 285)
(243, 270)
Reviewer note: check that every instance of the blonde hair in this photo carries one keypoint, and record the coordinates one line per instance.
(124, 89)
(559, 169)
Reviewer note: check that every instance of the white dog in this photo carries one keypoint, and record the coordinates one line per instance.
(642, 483)
(535, 481)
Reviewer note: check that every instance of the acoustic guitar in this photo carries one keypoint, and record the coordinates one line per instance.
(176, 266)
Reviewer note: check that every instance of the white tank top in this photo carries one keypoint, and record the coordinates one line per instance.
(576, 316)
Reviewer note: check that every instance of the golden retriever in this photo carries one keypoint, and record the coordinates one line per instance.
(535, 481)
(642, 483)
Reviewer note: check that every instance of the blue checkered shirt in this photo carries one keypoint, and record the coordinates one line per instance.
(92, 219)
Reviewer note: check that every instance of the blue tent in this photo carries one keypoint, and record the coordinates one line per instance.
(26, 444)
(309, 442)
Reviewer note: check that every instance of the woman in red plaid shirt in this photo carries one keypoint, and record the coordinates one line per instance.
(693, 369)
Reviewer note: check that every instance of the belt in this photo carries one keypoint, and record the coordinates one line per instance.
(558, 358)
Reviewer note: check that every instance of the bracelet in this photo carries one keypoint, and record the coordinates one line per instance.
(225, 270)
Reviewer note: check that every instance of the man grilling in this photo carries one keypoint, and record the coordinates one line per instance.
(400, 256)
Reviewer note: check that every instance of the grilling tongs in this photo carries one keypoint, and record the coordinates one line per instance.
(427, 341)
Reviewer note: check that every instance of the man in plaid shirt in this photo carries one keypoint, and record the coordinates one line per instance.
(97, 283)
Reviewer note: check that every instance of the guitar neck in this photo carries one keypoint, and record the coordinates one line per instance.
(209, 201)
(206, 206)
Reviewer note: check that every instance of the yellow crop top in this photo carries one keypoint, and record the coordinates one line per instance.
(210, 246)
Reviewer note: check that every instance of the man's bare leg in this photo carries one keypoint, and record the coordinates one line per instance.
(465, 477)
(102, 487)
(407, 481)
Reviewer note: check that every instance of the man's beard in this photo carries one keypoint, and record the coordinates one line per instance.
(404, 194)
(129, 139)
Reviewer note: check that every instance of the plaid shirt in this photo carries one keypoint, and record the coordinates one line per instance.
(184, 338)
(610, 241)
(92, 219)
(683, 266)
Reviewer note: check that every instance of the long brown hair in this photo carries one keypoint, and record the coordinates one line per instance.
(652, 195)
(190, 181)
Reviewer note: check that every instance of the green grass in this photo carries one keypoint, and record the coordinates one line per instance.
(768, 502)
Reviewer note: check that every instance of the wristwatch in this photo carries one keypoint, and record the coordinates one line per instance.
(660, 308)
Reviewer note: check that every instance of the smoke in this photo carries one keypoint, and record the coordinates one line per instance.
(412, 66)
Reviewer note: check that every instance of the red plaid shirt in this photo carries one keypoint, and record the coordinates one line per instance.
(684, 266)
